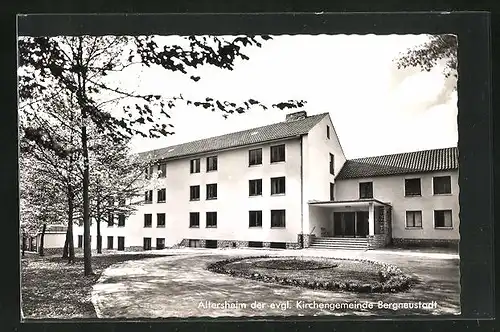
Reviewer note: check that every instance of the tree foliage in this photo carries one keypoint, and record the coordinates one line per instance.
(78, 69)
(438, 49)
(116, 177)
(49, 135)
(54, 65)
(40, 199)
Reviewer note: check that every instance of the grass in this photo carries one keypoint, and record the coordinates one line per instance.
(293, 264)
(52, 288)
(334, 270)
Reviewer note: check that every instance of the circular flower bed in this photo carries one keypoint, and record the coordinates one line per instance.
(293, 264)
(355, 275)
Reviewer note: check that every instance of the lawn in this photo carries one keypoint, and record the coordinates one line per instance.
(346, 270)
(52, 288)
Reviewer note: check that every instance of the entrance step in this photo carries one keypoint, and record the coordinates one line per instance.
(339, 243)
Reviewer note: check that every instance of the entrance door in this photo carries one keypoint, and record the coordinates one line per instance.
(121, 243)
(147, 243)
(361, 223)
(337, 224)
(349, 227)
(110, 242)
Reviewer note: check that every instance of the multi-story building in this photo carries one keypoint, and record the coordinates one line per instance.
(289, 185)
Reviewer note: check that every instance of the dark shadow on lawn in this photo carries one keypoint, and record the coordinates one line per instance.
(52, 288)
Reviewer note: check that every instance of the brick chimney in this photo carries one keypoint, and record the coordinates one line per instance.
(296, 116)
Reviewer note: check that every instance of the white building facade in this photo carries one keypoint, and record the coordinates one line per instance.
(289, 185)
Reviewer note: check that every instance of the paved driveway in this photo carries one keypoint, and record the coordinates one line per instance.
(180, 286)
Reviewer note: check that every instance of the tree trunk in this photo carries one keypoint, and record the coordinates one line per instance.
(24, 243)
(99, 237)
(41, 240)
(98, 221)
(82, 103)
(71, 203)
(71, 245)
(69, 236)
(66, 241)
(87, 253)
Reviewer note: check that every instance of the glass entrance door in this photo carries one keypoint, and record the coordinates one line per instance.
(338, 229)
(344, 224)
(349, 224)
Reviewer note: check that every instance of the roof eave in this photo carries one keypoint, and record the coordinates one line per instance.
(339, 177)
(191, 155)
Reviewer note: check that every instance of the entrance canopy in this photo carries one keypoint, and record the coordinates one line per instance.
(349, 203)
(349, 218)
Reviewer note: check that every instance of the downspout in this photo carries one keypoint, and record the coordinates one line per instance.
(301, 193)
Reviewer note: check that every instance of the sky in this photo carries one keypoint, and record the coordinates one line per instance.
(375, 108)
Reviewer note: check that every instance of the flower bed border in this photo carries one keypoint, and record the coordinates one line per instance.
(394, 280)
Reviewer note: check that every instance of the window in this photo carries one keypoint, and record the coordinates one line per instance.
(121, 243)
(332, 164)
(110, 242)
(255, 157)
(194, 193)
(121, 220)
(211, 244)
(194, 219)
(414, 219)
(111, 220)
(255, 187)
(147, 243)
(442, 185)
(442, 219)
(366, 190)
(148, 172)
(277, 153)
(332, 191)
(148, 220)
(277, 245)
(278, 186)
(162, 170)
(160, 220)
(211, 164)
(255, 219)
(148, 197)
(211, 219)
(212, 191)
(80, 241)
(277, 218)
(328, 131)
(160, 243)
(194, 243)
(162, 195)
(195, 165)
(412, 187)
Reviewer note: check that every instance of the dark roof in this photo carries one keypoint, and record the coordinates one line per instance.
(401, 163)
(54, 229)
(263, 134)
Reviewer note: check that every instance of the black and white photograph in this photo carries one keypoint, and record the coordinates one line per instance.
(185, 176)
